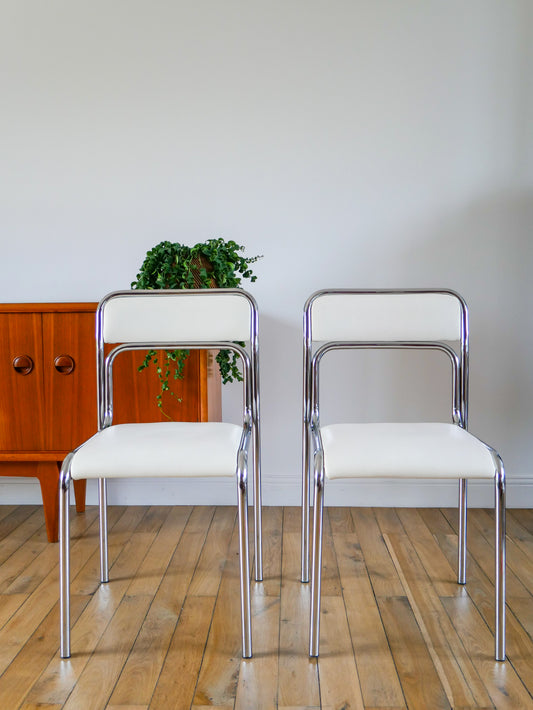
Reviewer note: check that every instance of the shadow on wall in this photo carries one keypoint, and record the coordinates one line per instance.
(280, 345)
(486, 253)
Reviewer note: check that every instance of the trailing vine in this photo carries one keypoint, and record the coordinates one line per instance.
(215, 263)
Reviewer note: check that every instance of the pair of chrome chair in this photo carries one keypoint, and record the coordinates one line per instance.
(333, 320)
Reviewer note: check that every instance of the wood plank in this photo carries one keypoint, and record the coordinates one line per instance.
(519, 643)
(14, 554)
(456, 672)
(10, 524)
(389, 521)
(98, 678)
(21, 625)
(298, 674)
(420, 682)
(337, 670)
(340, 520)
(272, 534)
(439, 570)
(206, 580)
(382, 573)
(436, 521)
(331, 583)
(34, 657)
(97, 633)
(504, 687)
(481, 548)
(33, 557)
(257, 685)
(378, 676)
(9, 603)
(519, 548)
(163, 647)
(60, 676)
(217, 681)
(143, 668)
(6, 510)
(258, 677)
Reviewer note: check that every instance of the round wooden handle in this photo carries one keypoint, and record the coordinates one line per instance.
(64, 364)
(23, 364)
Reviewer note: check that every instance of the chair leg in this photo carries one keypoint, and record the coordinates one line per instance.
(316, 560)
(244, 562)
(64, 559)
(461, 549)
(102, 501)
(500, 563)
(305, 503)
(258, 507)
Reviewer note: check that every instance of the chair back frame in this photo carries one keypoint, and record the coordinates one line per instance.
(249, 354)
(249, 357)
(313, 352)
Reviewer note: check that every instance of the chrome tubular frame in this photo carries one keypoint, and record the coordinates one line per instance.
(462, 383)
(311, 406)
(306, 463)
(500, 559)
(251, 432)
(318, 519)
(311, 433)
(102, 506)
(460, 396)
(105, 388)
(256, 419)
(64, 557)
(244, 554)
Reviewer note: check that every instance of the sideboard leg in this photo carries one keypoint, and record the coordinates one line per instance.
(48, 475)
(80, 486)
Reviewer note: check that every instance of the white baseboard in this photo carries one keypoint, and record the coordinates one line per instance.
(285, 491)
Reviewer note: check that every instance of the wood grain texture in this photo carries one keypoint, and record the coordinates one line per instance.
(397, 633)
(20, 334)
(48, 412)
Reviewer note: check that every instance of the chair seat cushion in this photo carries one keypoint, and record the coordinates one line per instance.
(179, 449)
(426, 450)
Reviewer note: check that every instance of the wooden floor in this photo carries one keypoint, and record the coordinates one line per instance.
(397, 631)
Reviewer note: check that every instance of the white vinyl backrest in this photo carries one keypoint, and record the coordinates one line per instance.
(386, 317)
(139, 318)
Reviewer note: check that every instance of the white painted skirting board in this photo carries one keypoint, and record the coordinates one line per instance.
(285, 491)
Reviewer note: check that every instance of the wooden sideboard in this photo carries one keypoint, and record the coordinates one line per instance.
(48, 388)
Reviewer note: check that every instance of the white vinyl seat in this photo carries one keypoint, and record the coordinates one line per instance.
(418, 450)
(160, 449)
(406, 319)
(184, 319)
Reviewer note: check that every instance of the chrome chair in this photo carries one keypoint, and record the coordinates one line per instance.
(410, 319)
(189, 319)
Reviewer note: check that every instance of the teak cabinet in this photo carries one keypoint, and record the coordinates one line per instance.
(48, 392)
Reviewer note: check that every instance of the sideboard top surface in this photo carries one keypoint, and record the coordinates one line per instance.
(48, 307)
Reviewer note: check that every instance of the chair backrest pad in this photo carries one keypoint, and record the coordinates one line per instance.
(175, 316)
(424, 316)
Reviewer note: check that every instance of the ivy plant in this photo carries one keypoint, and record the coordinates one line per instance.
(215, 263)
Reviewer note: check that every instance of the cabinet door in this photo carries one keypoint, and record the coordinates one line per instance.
(135, 393)
(69, 379)
(21, 378)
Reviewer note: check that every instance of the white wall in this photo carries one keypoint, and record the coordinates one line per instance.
(352, 143)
